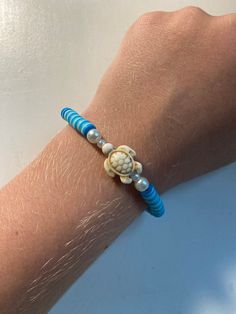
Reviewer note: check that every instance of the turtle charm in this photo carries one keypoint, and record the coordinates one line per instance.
(121, 161)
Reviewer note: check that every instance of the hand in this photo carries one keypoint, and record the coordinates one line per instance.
(170, 94)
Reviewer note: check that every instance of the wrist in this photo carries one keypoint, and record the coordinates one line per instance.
(139, 132)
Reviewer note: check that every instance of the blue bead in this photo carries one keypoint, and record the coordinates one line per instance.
(63, 111)
(81, 124)
(153, 201)
(76, 121)
(87, 128)
(147, 191)
(72, 120)
(70, 116)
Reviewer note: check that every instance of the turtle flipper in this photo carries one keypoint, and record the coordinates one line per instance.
(125, 180)
(108, 169)
(138, 167)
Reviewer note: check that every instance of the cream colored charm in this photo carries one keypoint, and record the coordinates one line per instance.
(138, 167)
(120, 161)
(107, 168)
(107, 148)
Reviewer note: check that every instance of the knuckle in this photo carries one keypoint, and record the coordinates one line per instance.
(150, 18)
(191, 16)
(193, 10)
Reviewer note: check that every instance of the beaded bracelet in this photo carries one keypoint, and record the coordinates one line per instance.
(120, 161)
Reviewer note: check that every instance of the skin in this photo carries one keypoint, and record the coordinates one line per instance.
(169, 94)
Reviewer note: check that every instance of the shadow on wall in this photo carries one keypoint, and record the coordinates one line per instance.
(177, 264)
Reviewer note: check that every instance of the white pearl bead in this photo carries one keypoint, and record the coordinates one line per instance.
(93, 136)
(142, 184)
(107, 148)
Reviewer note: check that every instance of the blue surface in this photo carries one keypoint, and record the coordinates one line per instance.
(167, 265)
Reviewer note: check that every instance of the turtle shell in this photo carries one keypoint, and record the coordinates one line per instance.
(121, 162)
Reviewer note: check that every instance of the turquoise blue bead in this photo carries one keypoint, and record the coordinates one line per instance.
(153, 201)
(77, 121)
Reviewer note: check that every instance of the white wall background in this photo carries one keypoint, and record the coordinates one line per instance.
(53, 53)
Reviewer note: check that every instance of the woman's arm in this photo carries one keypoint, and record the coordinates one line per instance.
(56, 216)
(170, 95)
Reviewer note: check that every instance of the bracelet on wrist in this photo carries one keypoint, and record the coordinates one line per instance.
(120, 161)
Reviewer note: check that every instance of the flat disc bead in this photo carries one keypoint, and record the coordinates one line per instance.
(142, 184)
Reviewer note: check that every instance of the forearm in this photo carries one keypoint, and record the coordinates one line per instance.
(57, 216)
